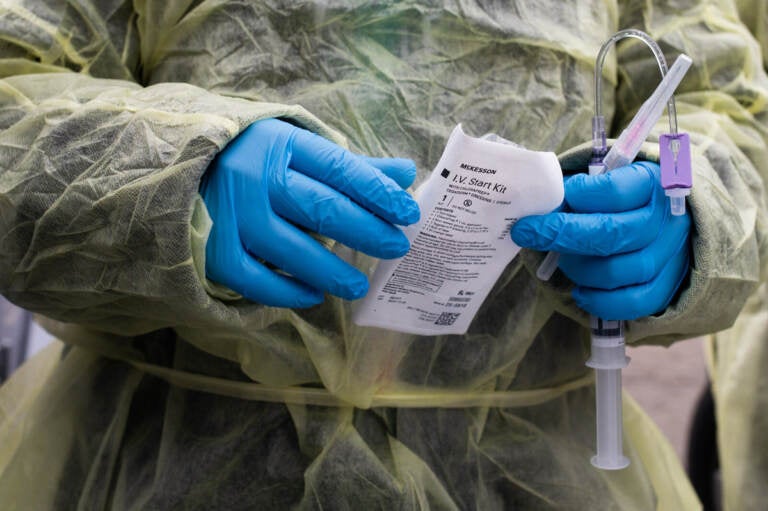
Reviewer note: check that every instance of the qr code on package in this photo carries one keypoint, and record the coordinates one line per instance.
(447, 318)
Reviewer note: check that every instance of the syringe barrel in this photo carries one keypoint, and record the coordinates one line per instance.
(610, 453)
(608, 346)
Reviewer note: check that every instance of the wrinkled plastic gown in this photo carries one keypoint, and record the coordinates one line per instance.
(174, 394)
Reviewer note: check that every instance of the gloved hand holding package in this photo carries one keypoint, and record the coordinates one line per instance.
(618, 241)
(275, 178)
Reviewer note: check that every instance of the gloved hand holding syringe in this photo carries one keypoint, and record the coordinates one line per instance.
(608, 346)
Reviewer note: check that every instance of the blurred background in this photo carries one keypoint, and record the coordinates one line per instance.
(667, 382)
(20, 337)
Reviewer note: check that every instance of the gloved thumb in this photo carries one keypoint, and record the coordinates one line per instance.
(401, 170)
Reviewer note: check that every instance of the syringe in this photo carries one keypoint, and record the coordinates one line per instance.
(607, 339)
(608, 356)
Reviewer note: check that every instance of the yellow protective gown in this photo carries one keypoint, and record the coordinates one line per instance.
(739, 367)
(172, 393)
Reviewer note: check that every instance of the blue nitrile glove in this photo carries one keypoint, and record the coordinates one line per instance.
(618, 241)
(274, 177)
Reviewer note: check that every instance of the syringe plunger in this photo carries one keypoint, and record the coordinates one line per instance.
(610, 455)
(607, 359)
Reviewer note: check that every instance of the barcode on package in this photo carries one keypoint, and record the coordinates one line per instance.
(447, 318)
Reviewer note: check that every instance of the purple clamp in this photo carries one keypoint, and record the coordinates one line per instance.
(676, 175)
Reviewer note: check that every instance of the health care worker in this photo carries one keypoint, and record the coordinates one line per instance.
(196, 240)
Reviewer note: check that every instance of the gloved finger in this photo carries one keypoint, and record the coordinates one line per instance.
(325, 161)
(401, 170)
(261, 285)
(621, 189)
(632, 268)
(592, 233)
(228, 263)
(633, 302)
(319, 208)
(303, 257)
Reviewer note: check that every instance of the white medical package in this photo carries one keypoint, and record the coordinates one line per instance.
(462, 243)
